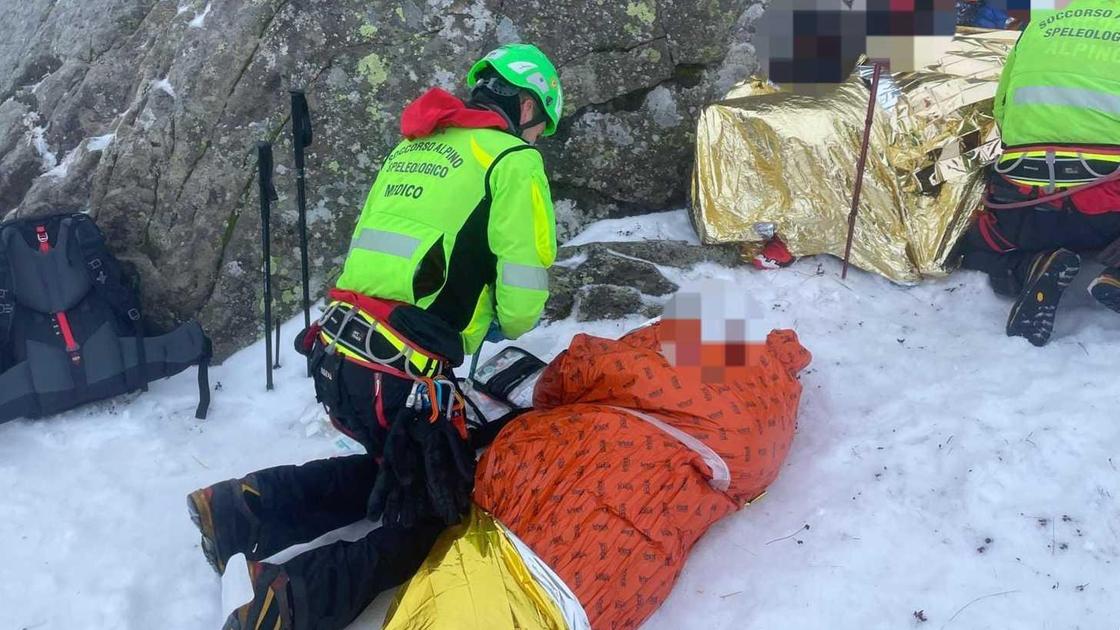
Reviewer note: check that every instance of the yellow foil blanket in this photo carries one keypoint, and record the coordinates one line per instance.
(769, 161)
(479, 575)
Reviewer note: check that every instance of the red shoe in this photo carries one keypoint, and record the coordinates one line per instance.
(774, 255)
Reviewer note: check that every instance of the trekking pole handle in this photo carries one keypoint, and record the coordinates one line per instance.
(276, 358)
(302, 137)
(267, 196)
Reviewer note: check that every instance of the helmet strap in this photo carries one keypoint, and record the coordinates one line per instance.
(502, 104)
(511, 126)
(538, 118)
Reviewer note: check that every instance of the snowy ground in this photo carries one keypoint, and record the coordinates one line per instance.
(941, 471)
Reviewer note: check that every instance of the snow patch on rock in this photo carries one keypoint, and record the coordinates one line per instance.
(164, 86)
(63, 168)
(573, 261)
(39, 140)
(662, 107)
(673, 225)
(100, 143)
(200, 20)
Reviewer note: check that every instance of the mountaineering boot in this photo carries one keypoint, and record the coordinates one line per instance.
(1106, 288)
(1033, 315)
(224, 516)
(271, 608)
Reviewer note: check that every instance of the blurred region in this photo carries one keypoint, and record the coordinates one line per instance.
(712, 327)
(808, 46)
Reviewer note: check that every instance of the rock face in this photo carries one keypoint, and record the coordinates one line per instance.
(146, 113)
(613, 280)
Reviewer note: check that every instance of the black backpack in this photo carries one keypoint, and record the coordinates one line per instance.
(70, 328)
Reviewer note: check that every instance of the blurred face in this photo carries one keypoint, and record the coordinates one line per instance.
(528, 111)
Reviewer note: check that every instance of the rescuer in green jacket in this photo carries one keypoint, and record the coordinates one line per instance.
(452, 247)
(1054, 194)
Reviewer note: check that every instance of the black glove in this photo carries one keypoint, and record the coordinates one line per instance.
(397, 505)
(426, 468)
(448, 467)
(398, 497)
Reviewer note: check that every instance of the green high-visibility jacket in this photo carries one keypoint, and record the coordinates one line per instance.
(1061, 83)
(459, 223)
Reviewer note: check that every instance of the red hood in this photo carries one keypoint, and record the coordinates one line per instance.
(438, 109)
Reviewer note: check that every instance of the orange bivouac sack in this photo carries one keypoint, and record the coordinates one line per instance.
(625, 461)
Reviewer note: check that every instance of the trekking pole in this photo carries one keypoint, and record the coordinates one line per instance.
(268, 195)
(301, 138)
(878, 68)
(276, 365)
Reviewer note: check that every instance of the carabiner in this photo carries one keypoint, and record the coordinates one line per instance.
(369, 349)
(996, 168)
(341, 330)
(1087, 167)
(412, 399)
(327, 314)
(448, 407)
(433, 390)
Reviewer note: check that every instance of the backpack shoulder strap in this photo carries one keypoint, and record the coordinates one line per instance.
(7, 297)
(104, 270)
(105, 273)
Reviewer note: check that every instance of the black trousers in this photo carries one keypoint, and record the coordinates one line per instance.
(361, 403)
(332, 585)
(1003, 242)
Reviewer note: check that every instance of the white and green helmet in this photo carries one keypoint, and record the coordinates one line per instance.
(526, 67)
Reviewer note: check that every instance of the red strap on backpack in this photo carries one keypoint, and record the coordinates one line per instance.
(44, 240)
(60, 318)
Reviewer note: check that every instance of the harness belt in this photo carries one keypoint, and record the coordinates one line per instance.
(358, 336)
(1056, 169)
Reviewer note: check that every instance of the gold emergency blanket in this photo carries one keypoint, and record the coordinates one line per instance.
(769, 161)
(484, 578)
